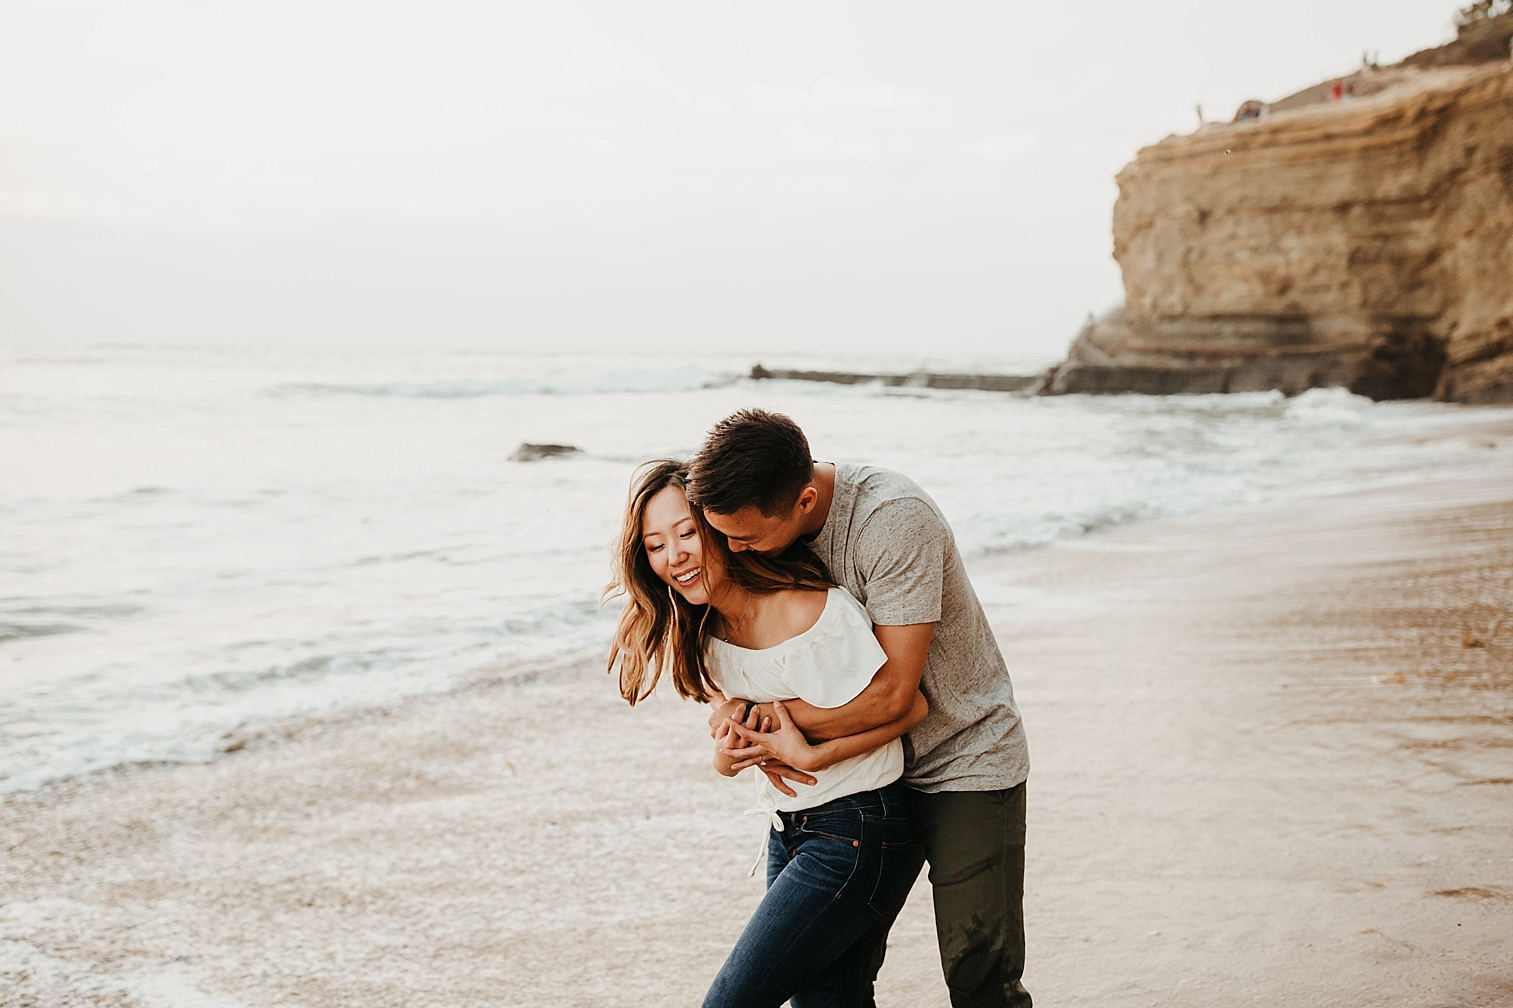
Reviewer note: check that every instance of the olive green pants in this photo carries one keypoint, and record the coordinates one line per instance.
(974, 843)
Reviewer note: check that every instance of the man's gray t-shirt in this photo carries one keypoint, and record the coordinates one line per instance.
(887, 543)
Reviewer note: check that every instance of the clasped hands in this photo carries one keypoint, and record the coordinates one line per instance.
(778, 751)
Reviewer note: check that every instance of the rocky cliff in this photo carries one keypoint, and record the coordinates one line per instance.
(1365, 244)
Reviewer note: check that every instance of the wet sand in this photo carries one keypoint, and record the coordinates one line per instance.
(1273, 763)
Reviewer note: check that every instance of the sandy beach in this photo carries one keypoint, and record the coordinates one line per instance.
(1273, 763)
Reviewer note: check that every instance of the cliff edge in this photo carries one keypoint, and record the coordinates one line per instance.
(1365, 244)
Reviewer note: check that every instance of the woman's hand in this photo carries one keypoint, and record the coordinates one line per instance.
(746, 746)
(729, 765)
(721, 707)
(727, 744)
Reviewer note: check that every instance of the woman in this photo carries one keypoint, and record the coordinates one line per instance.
(765, 630)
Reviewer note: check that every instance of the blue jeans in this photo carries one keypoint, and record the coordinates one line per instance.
(832, 873)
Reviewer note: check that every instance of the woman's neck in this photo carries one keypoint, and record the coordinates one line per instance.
(733, 603)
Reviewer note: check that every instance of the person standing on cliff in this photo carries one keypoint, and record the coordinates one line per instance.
(885, 541)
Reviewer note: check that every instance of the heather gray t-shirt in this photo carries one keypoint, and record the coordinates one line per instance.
(888, 544)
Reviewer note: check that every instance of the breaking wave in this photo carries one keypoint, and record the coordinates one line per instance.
(684, 379)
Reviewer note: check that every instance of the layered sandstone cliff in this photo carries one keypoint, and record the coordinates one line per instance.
(1365, 244)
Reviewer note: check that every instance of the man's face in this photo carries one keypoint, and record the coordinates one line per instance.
(749, 529)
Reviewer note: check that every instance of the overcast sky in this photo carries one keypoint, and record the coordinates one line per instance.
(918, 177)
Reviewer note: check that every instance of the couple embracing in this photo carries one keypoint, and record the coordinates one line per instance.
(823, 612)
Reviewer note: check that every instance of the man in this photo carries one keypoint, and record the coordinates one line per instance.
(887, 543)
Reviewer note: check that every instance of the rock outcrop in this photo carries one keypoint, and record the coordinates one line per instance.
(528, 452)
(1365, 244)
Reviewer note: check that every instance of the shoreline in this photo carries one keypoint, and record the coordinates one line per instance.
(1458, 425)
(170, 596)
(1264, 765)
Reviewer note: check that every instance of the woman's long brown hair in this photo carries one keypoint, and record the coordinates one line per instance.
(658, 629)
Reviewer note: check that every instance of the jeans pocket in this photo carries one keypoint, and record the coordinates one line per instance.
(829, 863)
(844, 826)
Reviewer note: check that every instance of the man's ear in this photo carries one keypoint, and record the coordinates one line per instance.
(808, 497)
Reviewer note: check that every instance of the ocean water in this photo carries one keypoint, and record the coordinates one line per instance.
(197, 541)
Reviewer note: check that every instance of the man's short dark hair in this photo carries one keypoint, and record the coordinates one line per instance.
(752, 457)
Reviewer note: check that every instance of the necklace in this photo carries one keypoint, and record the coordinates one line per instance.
(730, 631)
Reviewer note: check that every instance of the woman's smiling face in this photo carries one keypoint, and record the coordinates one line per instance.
(670, 537)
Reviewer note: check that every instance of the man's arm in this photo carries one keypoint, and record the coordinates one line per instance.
(889, 697)
(788, 744)
(900, 552)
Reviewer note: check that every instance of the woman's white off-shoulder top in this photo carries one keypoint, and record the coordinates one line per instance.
(827, 666)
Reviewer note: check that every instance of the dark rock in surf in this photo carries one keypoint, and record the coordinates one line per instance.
(535, 452)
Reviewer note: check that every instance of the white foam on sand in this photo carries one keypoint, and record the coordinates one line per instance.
(37, 977)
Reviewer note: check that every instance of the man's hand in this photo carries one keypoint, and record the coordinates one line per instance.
(776, 771)
(725, 737)
(782, 743)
